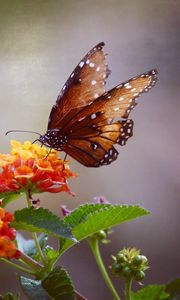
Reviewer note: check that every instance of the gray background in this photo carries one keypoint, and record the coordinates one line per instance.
(40, 44)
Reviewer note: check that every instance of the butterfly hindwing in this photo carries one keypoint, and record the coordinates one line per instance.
(94, 146)
(85, 84)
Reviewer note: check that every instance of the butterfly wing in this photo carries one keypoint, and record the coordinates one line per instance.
(93, 146)
(117, 102)
(85, 84)
(91, 132)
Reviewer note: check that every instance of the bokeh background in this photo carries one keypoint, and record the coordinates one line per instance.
(40, 43)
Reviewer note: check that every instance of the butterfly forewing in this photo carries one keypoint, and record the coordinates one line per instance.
(117, 102)
(85, 84)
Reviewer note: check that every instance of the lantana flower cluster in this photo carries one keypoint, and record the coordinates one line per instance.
(7, 236)
(31, 168)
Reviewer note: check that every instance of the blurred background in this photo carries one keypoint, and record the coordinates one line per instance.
(40, 44)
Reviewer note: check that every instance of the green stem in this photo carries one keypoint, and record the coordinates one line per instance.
(93, 242)
(30, 262)
(128, 288)
(18, 267)
(34, 235)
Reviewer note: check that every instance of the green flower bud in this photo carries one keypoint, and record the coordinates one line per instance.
(120, 257)
(144, 259)
(116, 268)
(127, 271)
(137, 260)
(139, 275)
(101, 235)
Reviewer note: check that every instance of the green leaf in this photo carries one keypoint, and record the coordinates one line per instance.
(150, 292)
(33, 289)
(9, 296)
(41, 220)
(9, 197)
(90, 218)
(51, 254)
(58, 285)
(173, 289)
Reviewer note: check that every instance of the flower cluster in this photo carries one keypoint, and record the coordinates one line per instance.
(129, 263)
(7, 236)
(30, 167)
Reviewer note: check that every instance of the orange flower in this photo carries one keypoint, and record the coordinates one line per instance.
(30, 167)
(7, 235)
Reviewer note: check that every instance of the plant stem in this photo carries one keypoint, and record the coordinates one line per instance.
(93, 242)
(30, 262)
(20, 268)
(34, 235)
(128, 288)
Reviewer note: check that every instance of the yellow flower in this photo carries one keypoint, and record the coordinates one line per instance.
(31, 167)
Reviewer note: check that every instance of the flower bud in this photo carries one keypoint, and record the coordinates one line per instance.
(120, 257)
(130, 263)
(127, 271)
(139, 275)
(137, 260)
(116, 268)
(101, 235)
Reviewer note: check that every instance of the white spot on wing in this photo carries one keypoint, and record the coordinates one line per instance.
(93, 82)
(81, 64)
(119, 86)
(81, 119)
(96, 95)
(116, 108)
(133, 90)
(91, 64)
(93, 116)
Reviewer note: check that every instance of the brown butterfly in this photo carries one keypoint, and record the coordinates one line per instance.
(81, 122)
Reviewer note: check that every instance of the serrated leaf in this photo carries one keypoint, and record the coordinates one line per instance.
(41, 220)
(9, 197)
(33, 289)
(90, 218)
(150, 292)
(58, 285)
(173, 288)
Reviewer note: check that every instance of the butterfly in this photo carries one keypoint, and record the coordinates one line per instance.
(82, 124)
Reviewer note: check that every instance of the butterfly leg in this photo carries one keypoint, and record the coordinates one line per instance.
(48, 154)
(64, 161)
(35, 141)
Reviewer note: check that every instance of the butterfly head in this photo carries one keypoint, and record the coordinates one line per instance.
(53, 139)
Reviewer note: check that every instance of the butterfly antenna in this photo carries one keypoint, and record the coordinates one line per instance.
(10, 131)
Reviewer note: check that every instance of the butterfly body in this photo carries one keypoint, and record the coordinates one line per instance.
(53, 139)
(82, 124)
